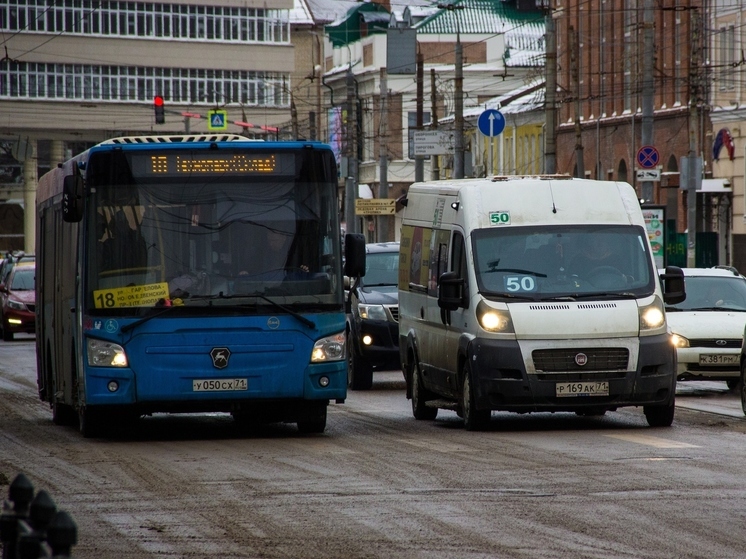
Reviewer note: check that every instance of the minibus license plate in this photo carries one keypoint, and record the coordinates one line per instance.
(219, 385)
(718, 359)
(565, 389)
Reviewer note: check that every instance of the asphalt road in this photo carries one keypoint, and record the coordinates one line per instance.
(379, 484)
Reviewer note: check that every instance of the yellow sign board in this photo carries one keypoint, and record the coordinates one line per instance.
(132, 296)
(375, 206)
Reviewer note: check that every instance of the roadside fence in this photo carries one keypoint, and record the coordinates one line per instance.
(31, 527)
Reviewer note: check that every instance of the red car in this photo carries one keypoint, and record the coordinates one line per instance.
(18, 297)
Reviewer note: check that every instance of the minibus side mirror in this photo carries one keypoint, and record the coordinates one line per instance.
(354, 255)
(674, 289)
(451, 291)
(72, 198)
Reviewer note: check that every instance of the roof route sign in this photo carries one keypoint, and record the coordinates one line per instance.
(217, 120)
(648, 157)
(491, 123)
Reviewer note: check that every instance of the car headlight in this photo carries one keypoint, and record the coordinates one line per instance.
(17, 305)
(652, 316)
(105, 354)
(494, 320)
(371, 312)
(679, 341)
(331, 348)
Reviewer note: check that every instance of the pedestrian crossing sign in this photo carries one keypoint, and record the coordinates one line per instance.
(217, 120)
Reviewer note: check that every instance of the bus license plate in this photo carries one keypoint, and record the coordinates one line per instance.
(220, 385)
(718, 359)
(565, 389)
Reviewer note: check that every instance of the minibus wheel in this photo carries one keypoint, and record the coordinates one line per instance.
(474, 419)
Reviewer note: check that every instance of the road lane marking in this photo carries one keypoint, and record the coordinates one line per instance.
(651, 441)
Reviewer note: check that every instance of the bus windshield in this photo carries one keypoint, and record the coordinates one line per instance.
(548, 263)
(174, 228)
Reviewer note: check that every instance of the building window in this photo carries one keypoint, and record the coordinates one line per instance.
(146, 20)
(28, 80)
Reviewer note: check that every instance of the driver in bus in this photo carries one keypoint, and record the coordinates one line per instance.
(596, 252)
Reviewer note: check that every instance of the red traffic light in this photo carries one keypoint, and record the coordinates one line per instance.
(160, 116)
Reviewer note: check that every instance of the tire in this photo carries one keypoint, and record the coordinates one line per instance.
(733, 383)
(743, 387)
(660, 416)
(63, 414)
(359, 373)
(315, 420)
(91, 422)
(420, 395)
(7, 335)
(474, 419)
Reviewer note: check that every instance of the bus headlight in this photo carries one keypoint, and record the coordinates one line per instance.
(105, 354)
(331, 348)
(651, 316)
(494, 320)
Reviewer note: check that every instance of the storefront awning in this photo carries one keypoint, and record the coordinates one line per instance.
(715, 186)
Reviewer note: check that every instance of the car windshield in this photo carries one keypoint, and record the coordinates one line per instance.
(23, 279)
(556, 262)
(381, 268)
(716, 293)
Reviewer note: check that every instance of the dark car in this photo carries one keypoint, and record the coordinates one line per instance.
(10, 260)
(374, 321)
(18, 298)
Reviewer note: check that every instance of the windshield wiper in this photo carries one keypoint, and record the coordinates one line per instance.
(728, 309)
(307, 321)
(379, 284)
(606, 295)
(515, 271)
(161, 310)
(511, 296)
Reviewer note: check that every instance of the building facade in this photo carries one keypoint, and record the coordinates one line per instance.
(76, 73)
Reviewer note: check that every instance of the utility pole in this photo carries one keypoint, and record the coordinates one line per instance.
(550, 150)
(458, 95)
(574, 52)
(419, 160)
(694, 162)
(647, 90)
(458, 119)
(434, 123)
(351, 179)
(383, 185)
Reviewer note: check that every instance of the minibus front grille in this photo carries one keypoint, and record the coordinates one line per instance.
(580, 359)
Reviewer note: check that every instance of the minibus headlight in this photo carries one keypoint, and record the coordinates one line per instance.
(105, 354)
(679, 341)
(652, 316)
(494, 320)
(331, 348)
(371, 312)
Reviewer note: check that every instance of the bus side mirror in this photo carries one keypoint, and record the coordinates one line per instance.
(72, 198)
(354, 255)
(451, 291)
(674, 289)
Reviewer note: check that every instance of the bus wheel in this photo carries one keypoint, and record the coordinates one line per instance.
(90, 422)
(314, 419)
(62, 414)
(474, 419)
(420, 395)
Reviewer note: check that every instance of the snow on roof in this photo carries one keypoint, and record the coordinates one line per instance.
(300, 14)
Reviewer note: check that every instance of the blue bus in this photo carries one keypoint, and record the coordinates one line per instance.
(189, 274)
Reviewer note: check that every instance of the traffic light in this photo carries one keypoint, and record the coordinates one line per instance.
(160, 117)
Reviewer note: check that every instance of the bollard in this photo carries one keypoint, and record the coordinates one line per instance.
(31, 527)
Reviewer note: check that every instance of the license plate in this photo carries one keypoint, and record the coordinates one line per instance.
(220, 385)
(565, 389)
(718, 359)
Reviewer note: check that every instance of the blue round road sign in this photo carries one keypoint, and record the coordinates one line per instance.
(647, 157)
(491, 123)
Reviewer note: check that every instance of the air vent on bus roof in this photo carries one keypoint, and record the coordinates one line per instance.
(173, 139)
